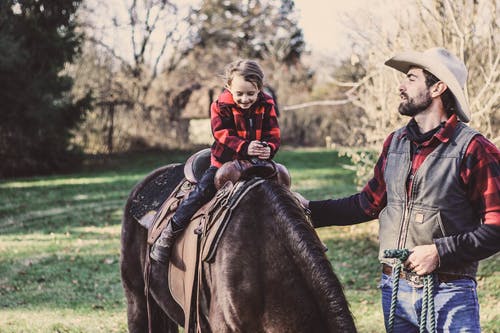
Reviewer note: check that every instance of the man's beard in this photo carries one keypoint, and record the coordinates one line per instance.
(413, 106)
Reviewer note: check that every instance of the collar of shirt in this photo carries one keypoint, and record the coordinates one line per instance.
(226, 98)
(443, 135)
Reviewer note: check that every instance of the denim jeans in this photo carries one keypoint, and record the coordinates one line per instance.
(456, 306)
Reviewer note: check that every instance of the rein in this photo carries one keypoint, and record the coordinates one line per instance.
(427, 311)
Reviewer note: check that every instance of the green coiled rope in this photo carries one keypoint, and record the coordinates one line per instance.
(427, 311)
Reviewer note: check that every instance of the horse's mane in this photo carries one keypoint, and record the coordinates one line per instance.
(307, 251)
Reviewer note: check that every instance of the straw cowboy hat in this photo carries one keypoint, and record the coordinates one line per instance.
(442, 64)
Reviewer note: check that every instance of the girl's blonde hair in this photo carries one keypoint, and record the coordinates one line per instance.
(250, 70)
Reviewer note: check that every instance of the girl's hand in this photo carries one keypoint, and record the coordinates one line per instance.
(266, 154)
(257, 148)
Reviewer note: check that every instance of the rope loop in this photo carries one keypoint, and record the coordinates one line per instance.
(427, 312)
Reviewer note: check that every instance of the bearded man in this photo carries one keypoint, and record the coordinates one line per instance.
(435, 191)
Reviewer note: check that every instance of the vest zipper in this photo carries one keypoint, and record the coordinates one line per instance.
(403, 231)
(408, 207)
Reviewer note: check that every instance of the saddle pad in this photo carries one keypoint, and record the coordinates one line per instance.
(153, 193)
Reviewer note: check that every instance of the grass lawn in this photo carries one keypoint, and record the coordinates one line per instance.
(59, 245)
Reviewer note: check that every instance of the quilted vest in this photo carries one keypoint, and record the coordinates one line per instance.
(437, 205)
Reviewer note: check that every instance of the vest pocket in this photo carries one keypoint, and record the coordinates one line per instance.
(424, 226)
(389, 227)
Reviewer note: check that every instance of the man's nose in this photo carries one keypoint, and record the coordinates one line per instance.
(401, 87)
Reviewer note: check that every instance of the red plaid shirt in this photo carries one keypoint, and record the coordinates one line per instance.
(480, 174)
(234, 128)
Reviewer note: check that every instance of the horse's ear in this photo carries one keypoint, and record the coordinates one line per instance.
(283, 176)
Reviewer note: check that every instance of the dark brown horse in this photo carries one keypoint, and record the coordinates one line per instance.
(270, 273)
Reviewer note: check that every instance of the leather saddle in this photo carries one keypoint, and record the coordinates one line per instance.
(235, 170)
(198, 243)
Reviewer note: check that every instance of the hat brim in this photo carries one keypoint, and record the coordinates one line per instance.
(404, 61)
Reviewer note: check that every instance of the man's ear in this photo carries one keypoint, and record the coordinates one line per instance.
(438, 89)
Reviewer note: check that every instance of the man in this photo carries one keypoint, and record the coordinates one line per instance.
(435, 191)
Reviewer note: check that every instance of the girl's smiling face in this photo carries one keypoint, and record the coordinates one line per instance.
(244, 92)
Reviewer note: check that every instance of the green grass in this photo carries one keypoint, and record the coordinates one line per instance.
(59, 245)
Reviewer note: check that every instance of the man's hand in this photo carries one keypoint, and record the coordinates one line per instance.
(424, 259)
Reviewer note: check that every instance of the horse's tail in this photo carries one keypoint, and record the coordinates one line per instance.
(307, 252)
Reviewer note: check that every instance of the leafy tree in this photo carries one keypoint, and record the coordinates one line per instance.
(253, 29)
(37, 39)
(225, 30)
(127, 45)
(148, 64)
(266, 30)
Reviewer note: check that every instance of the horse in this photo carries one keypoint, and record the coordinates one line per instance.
(270, 272)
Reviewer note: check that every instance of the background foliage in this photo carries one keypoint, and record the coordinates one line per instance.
(469, 29)
(37, 39)
(152, 66)
(171, 64)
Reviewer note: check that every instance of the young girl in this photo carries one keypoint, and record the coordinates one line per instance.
(244, 125)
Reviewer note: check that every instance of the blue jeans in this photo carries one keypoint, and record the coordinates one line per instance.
(456, 306)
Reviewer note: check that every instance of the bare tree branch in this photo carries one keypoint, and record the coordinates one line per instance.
(316, 103)
(112, 51)
(459, 32)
